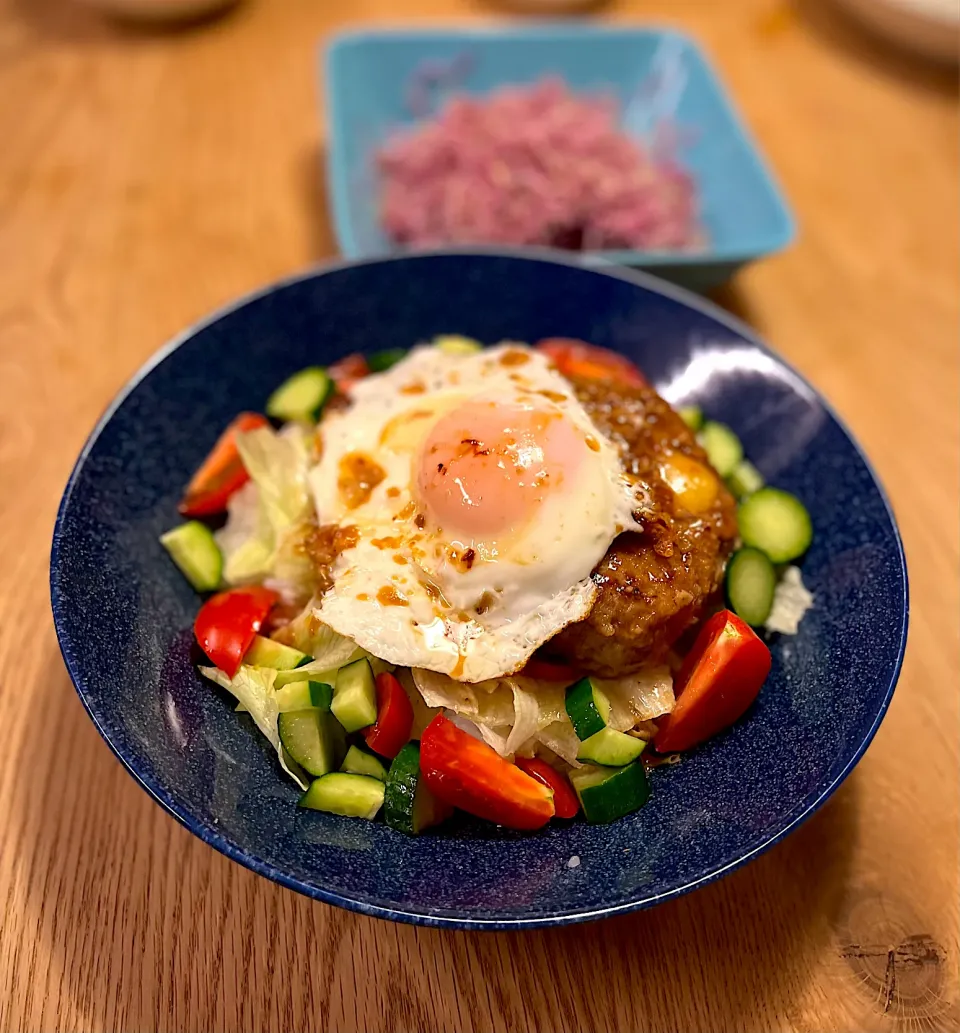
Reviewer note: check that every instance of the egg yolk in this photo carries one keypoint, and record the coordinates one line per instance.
(485, 468)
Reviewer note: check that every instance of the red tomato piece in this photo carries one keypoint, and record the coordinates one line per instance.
(391, 731)
(565, 802)
(546, 670)
(228, 621)
(578, 359)
(222, 472)
(347, 371)
(718, 680)
(466, 773)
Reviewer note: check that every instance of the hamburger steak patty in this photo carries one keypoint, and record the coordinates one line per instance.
(652, 584)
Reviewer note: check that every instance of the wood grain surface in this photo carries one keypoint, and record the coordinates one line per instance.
(148, 177)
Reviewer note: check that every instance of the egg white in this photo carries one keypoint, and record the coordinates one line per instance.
(477, 621)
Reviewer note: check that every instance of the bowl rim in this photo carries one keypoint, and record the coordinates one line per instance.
(451, 918)
(331, 52)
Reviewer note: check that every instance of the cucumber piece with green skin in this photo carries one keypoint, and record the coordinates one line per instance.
(692, 416)
(355, 696)
(745, 480)
(353, 796)
(195, 551)
(751, 583)
(610, 793)
(408, 804)
(361, 762)
(304, 695)
(587, 707)
(302, 396)
(611, 748)
(380, 361)
(314, 740)
(777, 523)
(722, 446)
(264, 652)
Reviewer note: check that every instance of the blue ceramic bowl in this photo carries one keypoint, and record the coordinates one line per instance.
(656, 74)
(123, 613)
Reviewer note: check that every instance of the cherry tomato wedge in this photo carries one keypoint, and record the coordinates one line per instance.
(466, 773)
(547, 670)
(348, 370)
(391, 731)
(579, 359)
(565, 800)
(719, 679)
(227, 623)
(222, 472)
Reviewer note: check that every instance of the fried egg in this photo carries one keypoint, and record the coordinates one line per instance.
(482, 496)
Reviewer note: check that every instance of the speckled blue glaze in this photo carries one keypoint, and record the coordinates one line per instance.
(123, 613)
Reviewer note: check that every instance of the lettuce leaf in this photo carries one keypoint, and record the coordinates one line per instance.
(638, 697)
(264, 510)
(252, 687)
(310, 635)
(518, 715)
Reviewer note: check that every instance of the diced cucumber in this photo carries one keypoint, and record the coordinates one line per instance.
(751, 582)
(692, 416)
(355, 696)
(611, 748)
(777, 523)
(304, 695)
(195, 551)
(361, 762)
(454, 344)
(610, 793)
(264, 652)
(722, 446)
(353, 796)
(587, 707)
(379, 361)
(302, 396)
(314, 740)
(745, 479)
(409, 806)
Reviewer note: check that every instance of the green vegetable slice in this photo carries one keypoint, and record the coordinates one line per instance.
(722, 446)
(195, 551)
(353, 796)
(751, 582)
(777, 523)
(313, 739)
(302, 396)
(587, 707)
(362, 762)
(610, 793)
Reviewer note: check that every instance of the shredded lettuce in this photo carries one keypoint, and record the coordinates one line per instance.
(310, 635)
(791, 600)
(518, 715)
(422, 713)
(638, 697)
(526, 717)
(264, 511)
(252, 687)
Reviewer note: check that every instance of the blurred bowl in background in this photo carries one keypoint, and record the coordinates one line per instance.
(659, 77)
(161, 10)
(929, 28)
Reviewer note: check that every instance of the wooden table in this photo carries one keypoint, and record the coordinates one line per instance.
(146, 178)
